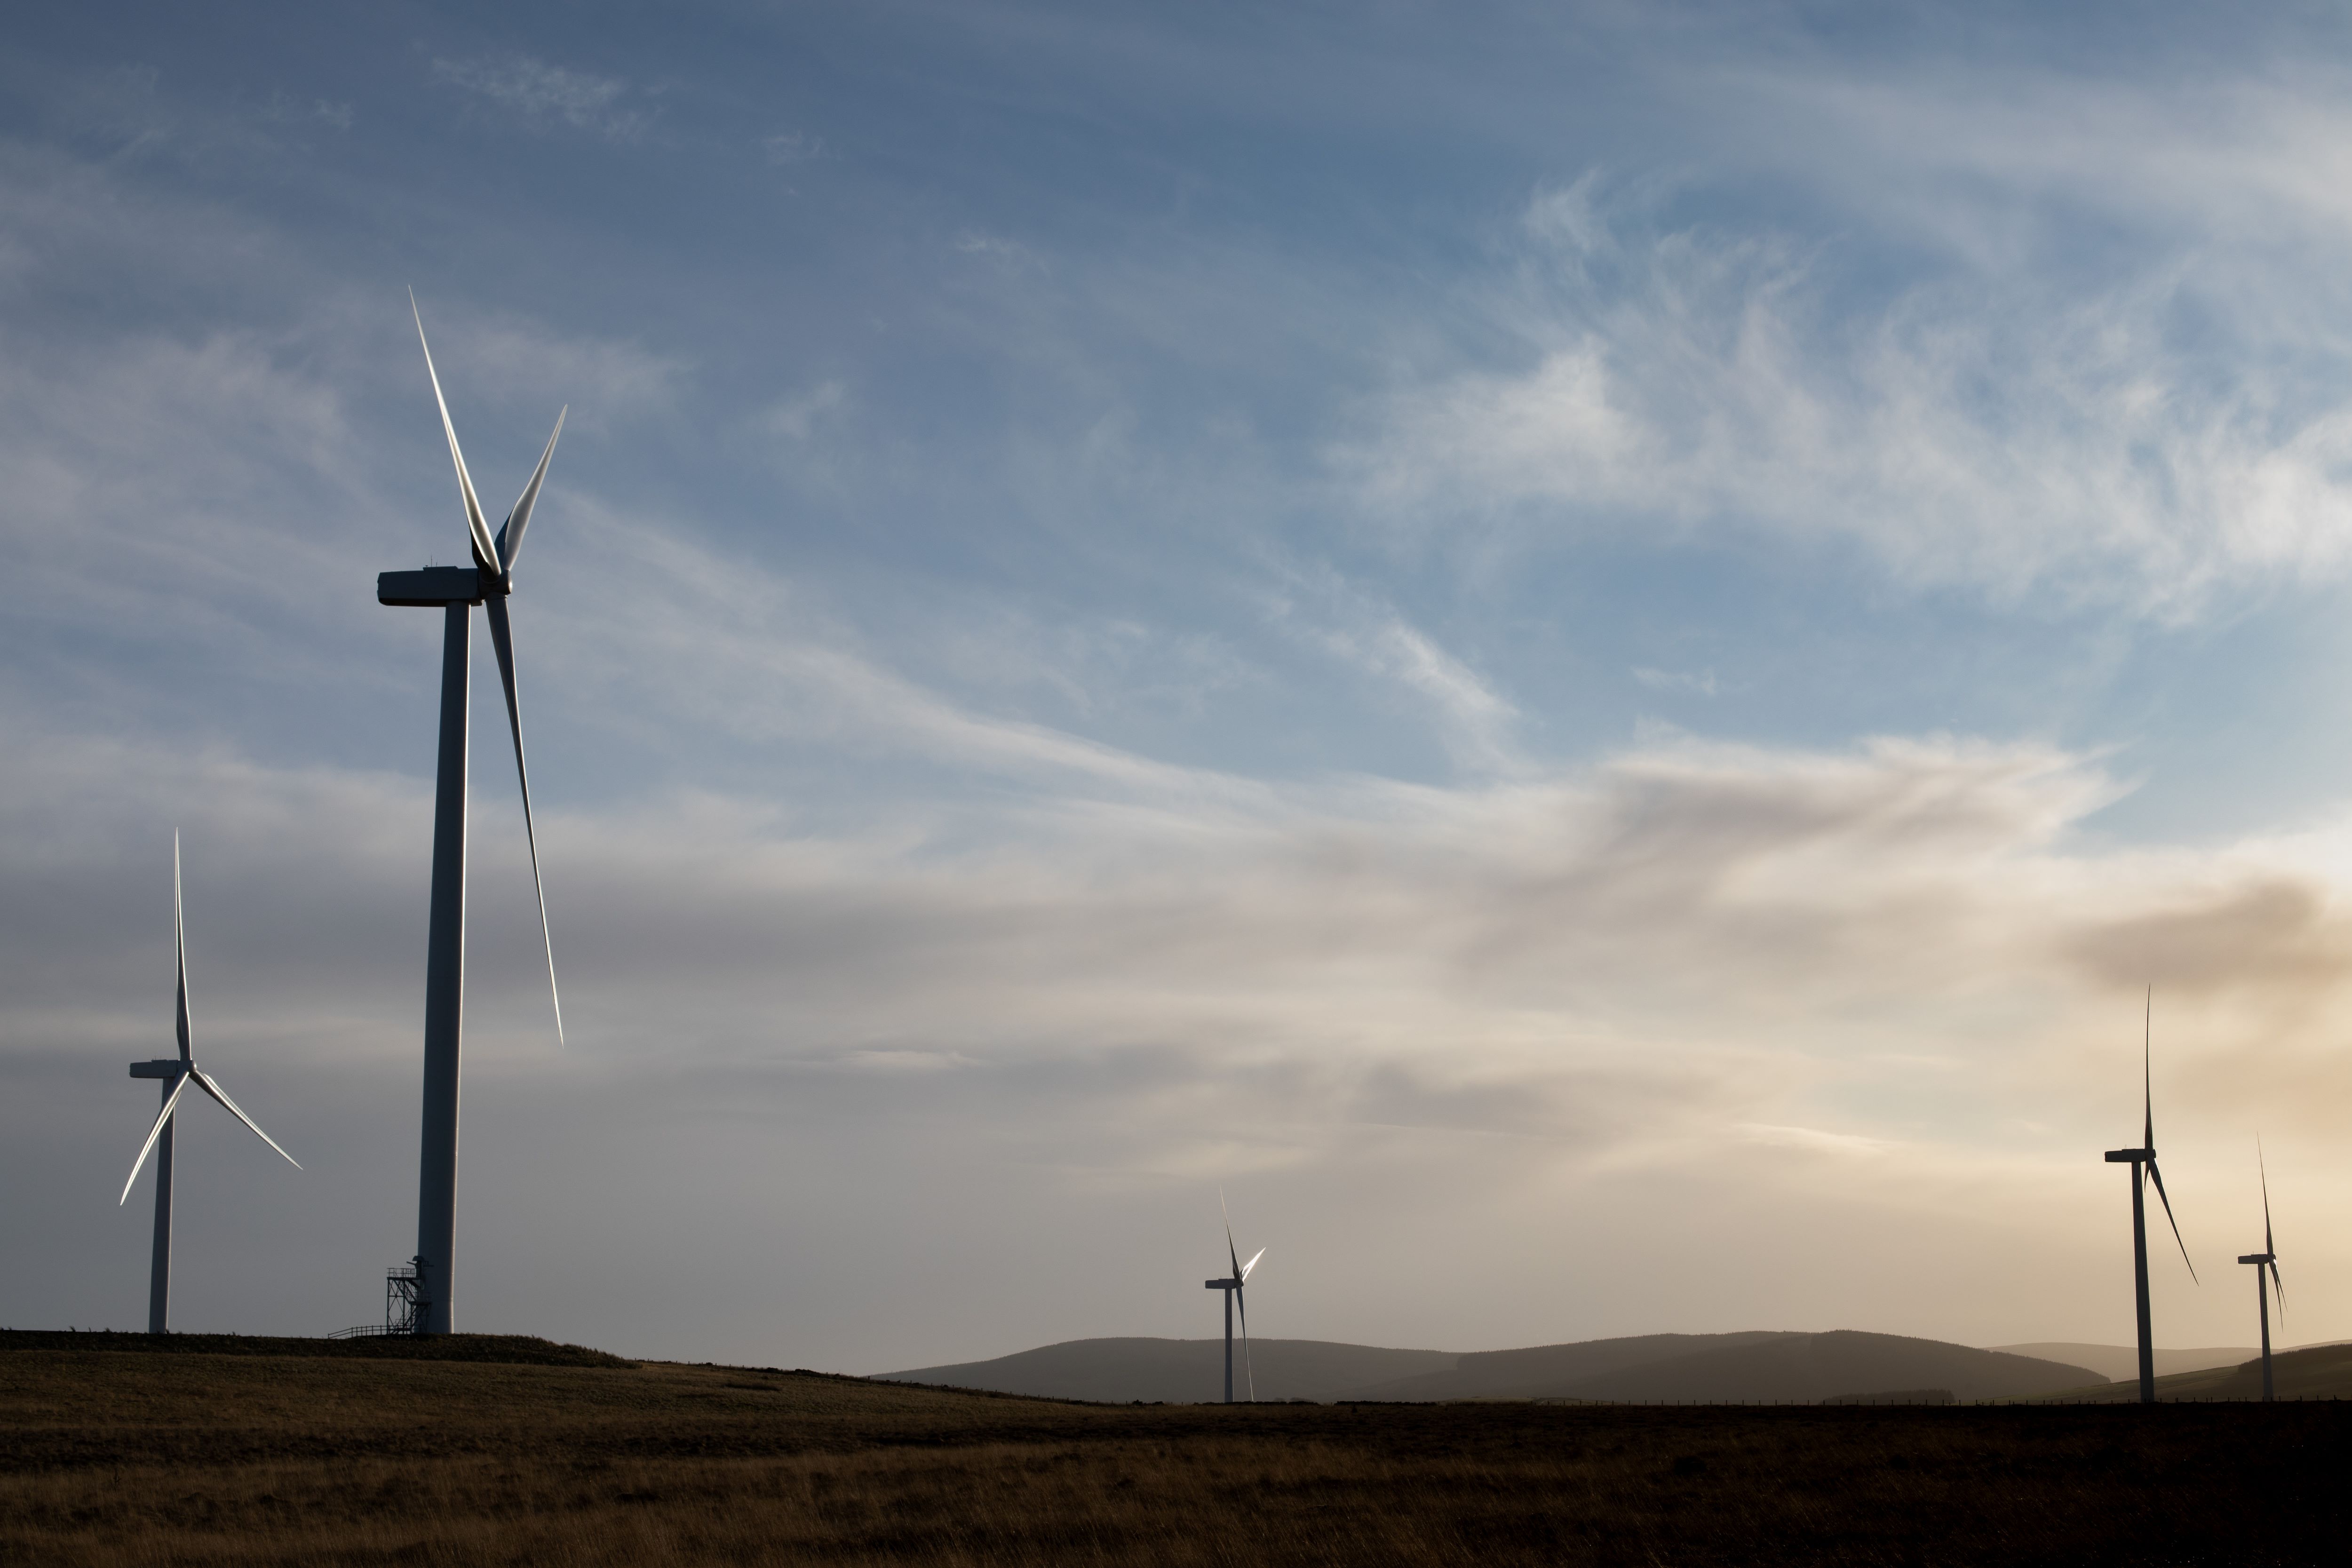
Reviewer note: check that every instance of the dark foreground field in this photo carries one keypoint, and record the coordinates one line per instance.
(112, 1456)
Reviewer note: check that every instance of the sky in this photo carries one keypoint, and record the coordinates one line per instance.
(1589, 654)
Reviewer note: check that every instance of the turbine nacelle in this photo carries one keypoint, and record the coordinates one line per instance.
(434, 587)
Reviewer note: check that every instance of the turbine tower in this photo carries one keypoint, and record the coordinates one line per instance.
(177, 1073)
(2266, 1260)
(2142, 1161)
(455, 591)
(1232, 1287)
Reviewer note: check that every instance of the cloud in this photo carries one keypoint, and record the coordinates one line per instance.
(542, 94)
(1814, 1140)
(1697, 932)
(1008, 255)
(1699, 683)
(790, 147)
(796, 417)
(1940, 379)
(514, 357)
(1345, 622)
(1693, 976)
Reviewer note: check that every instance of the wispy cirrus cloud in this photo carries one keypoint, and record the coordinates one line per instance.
(1341, 620)
(1007, 254)
(1939, 383)
(543, 95)
(790, 147)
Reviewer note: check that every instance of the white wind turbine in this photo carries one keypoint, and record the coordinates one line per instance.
(455, 591)
(1232, 1287)
(177, 1073)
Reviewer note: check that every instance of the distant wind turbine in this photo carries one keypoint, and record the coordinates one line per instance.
(1232, 1287)
(2142, 1161)
(177, 1073)
(456, 590)
(2267, 1275)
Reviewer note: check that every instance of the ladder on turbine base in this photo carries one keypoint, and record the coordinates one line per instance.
(403, 1304)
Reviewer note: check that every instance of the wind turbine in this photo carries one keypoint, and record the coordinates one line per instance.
(1232, 1287)
(456, 590)
(2142, 1161)
(2266, 1260)
(177, 1073)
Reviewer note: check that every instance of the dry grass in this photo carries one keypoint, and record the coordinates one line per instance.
(116, 1459)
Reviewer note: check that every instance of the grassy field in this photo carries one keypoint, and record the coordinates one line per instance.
(120, 1455)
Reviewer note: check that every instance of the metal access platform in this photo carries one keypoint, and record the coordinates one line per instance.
(403, 1304)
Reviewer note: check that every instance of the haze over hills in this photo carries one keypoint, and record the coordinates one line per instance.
(1736, 1368)
(2117, 1363)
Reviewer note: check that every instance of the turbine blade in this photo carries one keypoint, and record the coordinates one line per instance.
(486, 553)
(2146, 1080)
(502, 639)
(2268, 1245)
(1242, 1306)
(509, 540)
(153, 1132)
(1252, 1263)
(2278, 1287)
(1231, 1251)
(178, 949)
(2157, 1177)
(204, 1082)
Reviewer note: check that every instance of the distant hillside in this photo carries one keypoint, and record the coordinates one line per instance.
(2323, 1372)
(2117, 1362)
(1184, 1372)
(1547, 1370)
(1737, 1368)
(1813, 1367)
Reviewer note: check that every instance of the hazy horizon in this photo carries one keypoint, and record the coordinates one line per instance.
(1587, 654)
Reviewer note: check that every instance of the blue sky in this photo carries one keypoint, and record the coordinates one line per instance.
(1536, 638)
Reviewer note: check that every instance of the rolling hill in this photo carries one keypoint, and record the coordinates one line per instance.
(1181, 1372)
(1549, 1369)
(2117, 1362)
(2320, 1372)
(1739, 1368)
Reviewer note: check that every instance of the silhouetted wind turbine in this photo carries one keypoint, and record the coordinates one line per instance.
(1232, 1287)
(456, 590)
(2142, 1161)
(2266, 1260)
(177, 1073)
